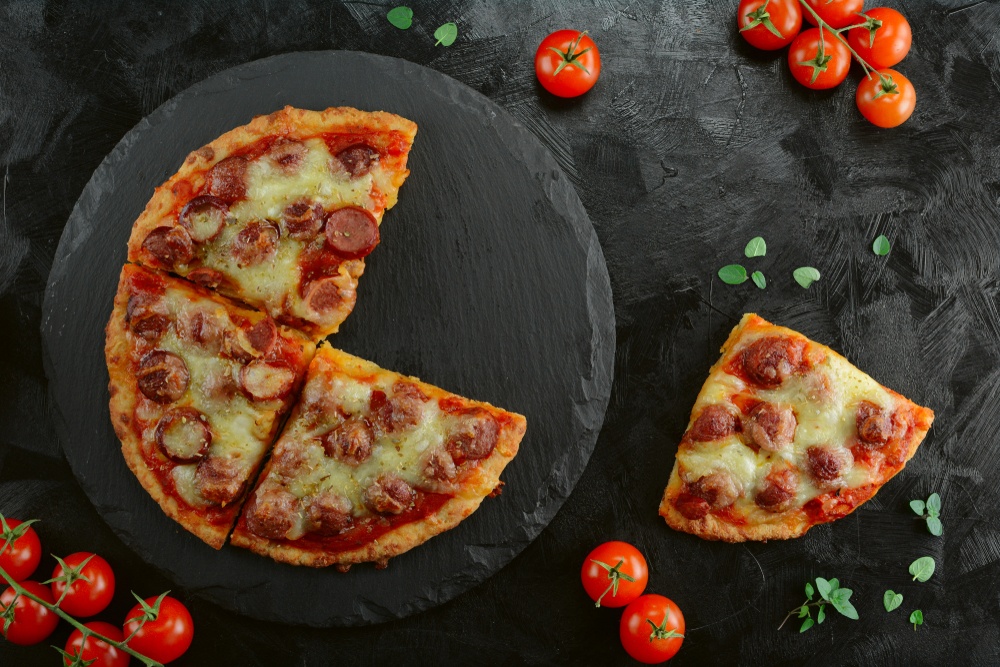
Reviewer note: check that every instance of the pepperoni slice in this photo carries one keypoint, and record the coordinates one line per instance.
(324, 295)
(162, 376)
(770, 426)
(691, 507)
(287, 154)
(777, 493)
(149, 327)
(351, 232)
(207, 277)
(263, 335)
(256, 243)
(184, 435)
(350, 442)
(358, 159)
(715, 422)
(227, 179)
(169, 245)
(389, 494)
(718, 488)
(202, 328)
(219, 479)
(303, 220)
(440, 466)
(475, 437)
(828, 464)
(330, 514)
(874, 424)
(204, 217)
(272, 513)
(769, 360)
(266, 381)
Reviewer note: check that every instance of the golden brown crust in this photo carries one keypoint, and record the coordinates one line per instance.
(473, 488)
(793, 523)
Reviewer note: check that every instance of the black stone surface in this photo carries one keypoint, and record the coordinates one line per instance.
(489, 281)
(690, 144)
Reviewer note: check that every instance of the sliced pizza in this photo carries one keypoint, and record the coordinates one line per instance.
(785, 434)
(372, 463)
(280, 213)
(198, 385)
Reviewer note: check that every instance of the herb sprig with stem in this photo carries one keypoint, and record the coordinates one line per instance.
(929, 511)
(830, 592)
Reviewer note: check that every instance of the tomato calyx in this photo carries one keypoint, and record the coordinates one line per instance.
(11, 535)
(8, 613)
(70, 575)
(761, 16)
(819, 61)
(571, 56)
(150, 612)
(886, 86)
(615, 575)
(76, 659)
(871, 25)
(660, 631)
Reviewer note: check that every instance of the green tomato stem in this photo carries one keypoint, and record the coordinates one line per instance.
(823, 24)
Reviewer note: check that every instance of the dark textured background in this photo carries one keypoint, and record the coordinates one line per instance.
(689, 145)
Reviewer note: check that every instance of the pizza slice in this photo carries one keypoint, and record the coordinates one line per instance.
(372, 463)
(198, 386)
(785, 434)
(280, 213)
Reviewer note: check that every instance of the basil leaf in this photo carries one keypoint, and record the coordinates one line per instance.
(934, 526)
(758, 279)
(841, 602)
(824, 588)
(733, 274)
(401, 17)
(821, 616)
(806, 624)
(805, 276)
(934, 504)
(446, 34)
(756, 247)
(922, 568)
(892, 600)
(809, 590)
(881, 246)
(917, 506)
(917, 618)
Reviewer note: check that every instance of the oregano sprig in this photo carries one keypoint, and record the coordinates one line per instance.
(930, 511)
(830, 593)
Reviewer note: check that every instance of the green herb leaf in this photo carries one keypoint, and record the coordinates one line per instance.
(881, 246)
(446, 34)
(401, 17)
(934, 504)
(922, 568)
(733, 274)
(892, 600)
(758, 279)
(821, 616)
(934, 526)
(840, 599)
(917, 618)
(834, 585)
(917, 506)
(804, 611)
(756, 247)
(806, 624)
(824, 588)
(809, 590)
(805, 276)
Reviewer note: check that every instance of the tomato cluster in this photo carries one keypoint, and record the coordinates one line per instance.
(82, 585)
(652, 626)
(819, 58)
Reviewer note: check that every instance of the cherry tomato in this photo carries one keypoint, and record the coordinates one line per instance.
(815, 71)
(20, 558)
(102, 653)
(92, 587)
(614, 574)
(32, 622)
(838, 13)
(567, 63)
(164, 638)
(886, 101)
(885, 41)
(652, 629)
(769, 24)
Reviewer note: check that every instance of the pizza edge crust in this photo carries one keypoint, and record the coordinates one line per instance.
(472, 490)
(795, 524)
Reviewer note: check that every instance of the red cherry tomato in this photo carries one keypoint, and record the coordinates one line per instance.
(652, 629)
(102, 653)
(838, 13)
(614, 574)
(164, 638)
(20, 558)
(567, 63)
(815, 71)
(92, 588)
(886, 41)
(32, 622)
(760, 20)
(887, 101)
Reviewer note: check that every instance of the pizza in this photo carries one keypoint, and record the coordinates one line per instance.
(371, 464)
(280, 213)
(785, 434)
(198, 387)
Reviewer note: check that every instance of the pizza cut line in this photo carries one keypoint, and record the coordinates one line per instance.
(784, 435)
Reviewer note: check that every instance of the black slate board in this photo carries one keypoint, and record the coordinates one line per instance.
(489, 282)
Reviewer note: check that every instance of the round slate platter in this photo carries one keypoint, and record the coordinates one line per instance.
(489, 282)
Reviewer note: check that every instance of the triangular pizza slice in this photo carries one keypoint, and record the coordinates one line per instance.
(198, 387)
(280, 213)
(372, 463)
(785, 434)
